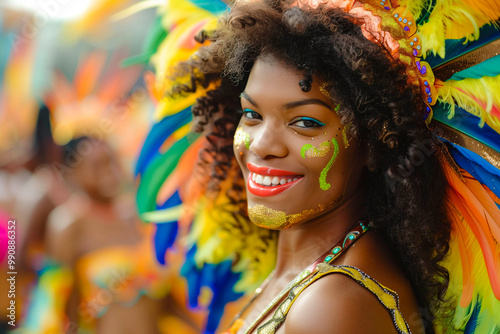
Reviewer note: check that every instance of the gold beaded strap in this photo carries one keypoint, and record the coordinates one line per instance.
(388, 298)
(357, 231)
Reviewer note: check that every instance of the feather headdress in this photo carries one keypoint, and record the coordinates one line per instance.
(451, 51)
(99, 103)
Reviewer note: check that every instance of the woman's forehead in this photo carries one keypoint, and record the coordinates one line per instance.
(275, 80)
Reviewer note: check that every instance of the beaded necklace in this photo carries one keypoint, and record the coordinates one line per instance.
(350, 237)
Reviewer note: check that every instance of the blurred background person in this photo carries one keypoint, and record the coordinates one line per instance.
(71, 58)
(97, 237)
(77, 95)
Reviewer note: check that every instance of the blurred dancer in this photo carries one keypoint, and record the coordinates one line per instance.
(43, 192)
(32, 189)
(102, 277)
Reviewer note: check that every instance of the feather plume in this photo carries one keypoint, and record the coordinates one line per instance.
(416, 7)
(473, 281)
(480, 212)
(221, 234)
(456, 19)
(476, 96)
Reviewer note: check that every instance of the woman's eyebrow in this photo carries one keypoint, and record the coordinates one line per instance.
(300, 103)
(249, 99)
(290, 105)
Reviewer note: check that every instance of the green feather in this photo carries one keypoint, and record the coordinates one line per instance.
(157, 172)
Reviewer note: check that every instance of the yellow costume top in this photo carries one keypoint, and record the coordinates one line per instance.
(118, 274)
(388, 298)
(113, 275)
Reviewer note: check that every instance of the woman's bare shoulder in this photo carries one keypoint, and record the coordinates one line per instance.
(63, 232)
(338, 302)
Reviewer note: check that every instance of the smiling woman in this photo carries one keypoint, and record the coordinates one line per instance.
(284, 125)
(328, 119)
(315, 121)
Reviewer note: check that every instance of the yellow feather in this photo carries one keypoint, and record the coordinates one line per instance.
(221, 235)
(476, 96)
(183, 20)
(490, 306)
(456, 19)
(414, 6)
(432, 37)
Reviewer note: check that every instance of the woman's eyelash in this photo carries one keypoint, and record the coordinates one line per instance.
(247, 112)
(308, 122)
(312, 122)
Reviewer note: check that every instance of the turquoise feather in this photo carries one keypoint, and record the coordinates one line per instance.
(489, 68)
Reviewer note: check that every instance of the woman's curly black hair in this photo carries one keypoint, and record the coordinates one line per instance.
(405, 184)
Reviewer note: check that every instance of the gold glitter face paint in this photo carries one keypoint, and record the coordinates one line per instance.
(310, 151)
(241, 137)
(268, 218)
(344, 135)
(322, 179)
(324, 91)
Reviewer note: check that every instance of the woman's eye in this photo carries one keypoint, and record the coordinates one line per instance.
(250, 114)
(306, 122)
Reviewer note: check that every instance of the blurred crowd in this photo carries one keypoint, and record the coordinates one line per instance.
(74, 110)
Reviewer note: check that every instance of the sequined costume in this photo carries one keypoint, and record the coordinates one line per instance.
(451, 52)
(388, 298)
(116, 275)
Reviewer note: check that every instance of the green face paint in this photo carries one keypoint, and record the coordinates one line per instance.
(310, 151)
(322, 179)
(241, 137)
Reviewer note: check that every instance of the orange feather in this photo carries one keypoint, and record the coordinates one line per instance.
(482, 216)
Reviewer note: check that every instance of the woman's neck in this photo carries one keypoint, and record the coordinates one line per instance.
(301, 245)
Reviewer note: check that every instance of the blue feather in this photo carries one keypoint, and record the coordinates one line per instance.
(471, 326)
(193, 276)
(474, 164)
(467, 123)
(219, 278)
(172, 201)
(166, 232)
(223, 288)
(157, 136)
(164, 239)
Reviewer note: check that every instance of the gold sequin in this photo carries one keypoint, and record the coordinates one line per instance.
(323, 89)
(387, 297)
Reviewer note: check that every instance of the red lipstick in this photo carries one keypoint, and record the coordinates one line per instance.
(269, 171)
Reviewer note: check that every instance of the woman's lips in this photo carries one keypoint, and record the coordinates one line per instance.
(281, 180)
(269, 171)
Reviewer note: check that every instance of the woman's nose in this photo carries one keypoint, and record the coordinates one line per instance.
(267, 141)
